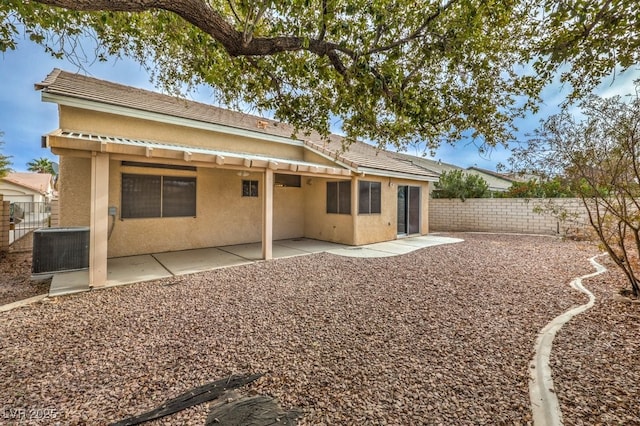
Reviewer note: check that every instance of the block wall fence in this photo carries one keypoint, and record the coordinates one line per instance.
(55, 212)
(5, 219)
(516, 215)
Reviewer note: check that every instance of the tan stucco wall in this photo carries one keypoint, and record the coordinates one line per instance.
(312, 157)
(358, 229)
(371, 228)
(85, 121)
(74, 191)
(288, 212)
(223, 216)
(318, 223)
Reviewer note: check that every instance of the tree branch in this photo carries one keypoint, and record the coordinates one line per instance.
(414, 35)
(201, 15)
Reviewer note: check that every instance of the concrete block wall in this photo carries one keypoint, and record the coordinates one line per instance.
(516, 215)
(5, 219)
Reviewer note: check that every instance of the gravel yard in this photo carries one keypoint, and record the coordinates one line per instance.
(595, 360)
(15, 281)
(443, 335)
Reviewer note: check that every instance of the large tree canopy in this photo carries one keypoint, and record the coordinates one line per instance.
(393, 72)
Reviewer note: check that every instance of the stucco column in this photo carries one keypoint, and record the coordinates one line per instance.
(99, 229)
(267, 215)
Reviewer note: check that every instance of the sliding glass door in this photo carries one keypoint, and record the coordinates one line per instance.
(408, 210)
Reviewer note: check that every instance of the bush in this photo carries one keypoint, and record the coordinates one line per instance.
(457, 184)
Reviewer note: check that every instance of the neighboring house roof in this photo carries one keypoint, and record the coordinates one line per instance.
(436, 166)
(87, 92)
(496, 181)
(37, 182)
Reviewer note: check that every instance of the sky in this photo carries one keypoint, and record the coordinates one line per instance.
(24, 118)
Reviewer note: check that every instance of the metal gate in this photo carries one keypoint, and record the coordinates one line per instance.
(25, 218)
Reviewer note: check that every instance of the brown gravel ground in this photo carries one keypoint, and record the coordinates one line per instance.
(596, 357)
(15, 281)
(443, 335)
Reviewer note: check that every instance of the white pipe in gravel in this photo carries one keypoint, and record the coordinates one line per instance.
(544, 403)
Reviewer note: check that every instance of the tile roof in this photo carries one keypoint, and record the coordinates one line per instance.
(426, 163)
(359, 155)
(39, 182)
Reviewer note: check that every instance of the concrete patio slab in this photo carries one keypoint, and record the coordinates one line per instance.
(253, 251)
(132, 269)
(428, 241)
(360, 252)
(198, 260)
(395, 247)
(69, 282)
(308, 245)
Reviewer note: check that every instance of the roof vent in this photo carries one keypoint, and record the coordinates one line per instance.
(262, 124)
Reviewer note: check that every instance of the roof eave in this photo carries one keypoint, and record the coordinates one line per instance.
(399, 175)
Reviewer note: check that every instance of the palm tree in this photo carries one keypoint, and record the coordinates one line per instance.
(5, 162)
(41, 165)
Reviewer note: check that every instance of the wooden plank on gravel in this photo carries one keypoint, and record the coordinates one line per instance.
(196, 396)
(258, 410)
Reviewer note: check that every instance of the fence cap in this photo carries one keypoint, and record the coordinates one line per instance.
(63, 229)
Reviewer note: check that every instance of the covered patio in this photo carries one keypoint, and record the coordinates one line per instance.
(148, 267)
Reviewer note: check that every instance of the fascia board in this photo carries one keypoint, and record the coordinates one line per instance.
(399, 175)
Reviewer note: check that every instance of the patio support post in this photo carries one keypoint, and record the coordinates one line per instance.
(354, 210)
(267, 215)
(99, 230)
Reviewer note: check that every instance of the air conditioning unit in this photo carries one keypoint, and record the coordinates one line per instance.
(59, 249)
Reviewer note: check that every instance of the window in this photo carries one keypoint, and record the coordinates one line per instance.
(369, 195)
(249, 188)
(158, 196)
(339, 197)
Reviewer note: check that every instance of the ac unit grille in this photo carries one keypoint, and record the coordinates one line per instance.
(60, 249)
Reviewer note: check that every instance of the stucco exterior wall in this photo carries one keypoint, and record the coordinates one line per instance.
(85, 121)
(288, 212)
(75, 191)
(319, 224)
(223, 216)
(504, 215)
(378, 226)
(358, 229)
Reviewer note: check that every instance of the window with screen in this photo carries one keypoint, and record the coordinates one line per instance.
(145, 196)
(369, 197)
(339, 197)
(249, 188)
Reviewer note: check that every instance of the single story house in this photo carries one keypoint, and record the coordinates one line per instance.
(150, 173)
(27, 187)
